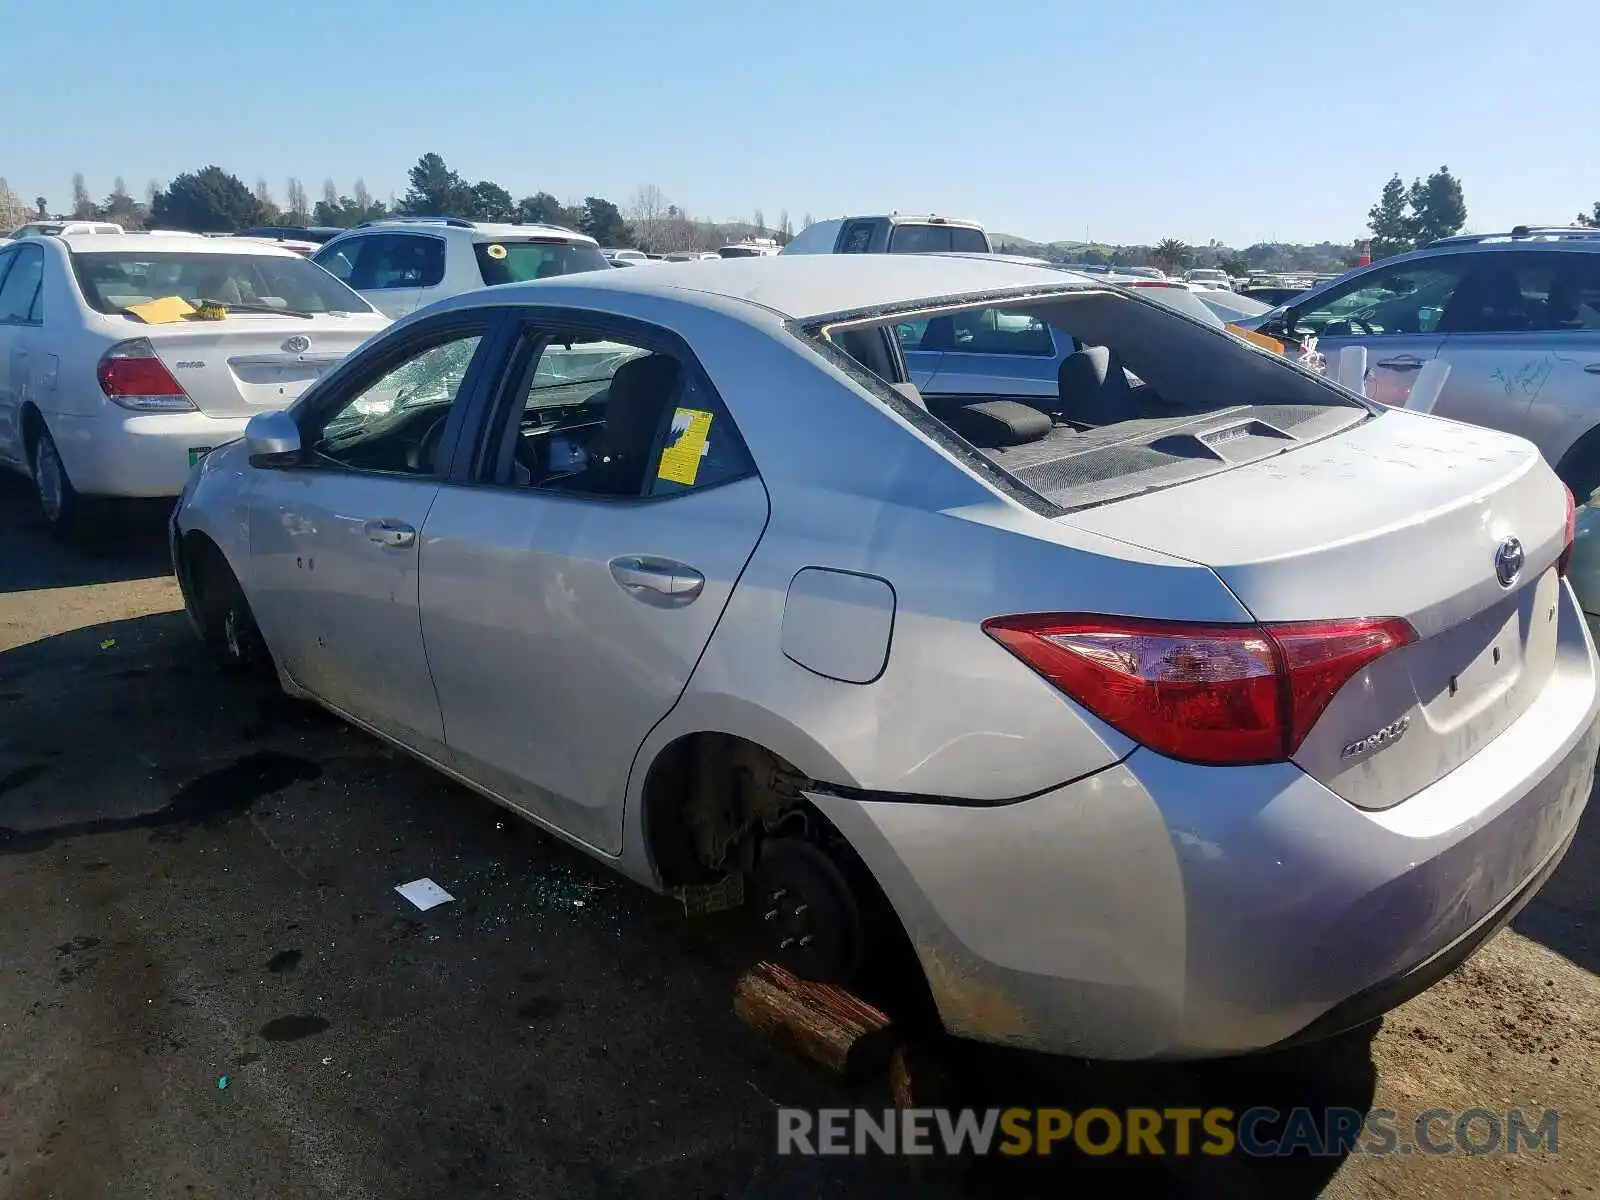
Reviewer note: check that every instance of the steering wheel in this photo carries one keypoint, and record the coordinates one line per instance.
(428, 448)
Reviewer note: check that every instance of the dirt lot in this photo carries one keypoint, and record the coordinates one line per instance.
(196, 878)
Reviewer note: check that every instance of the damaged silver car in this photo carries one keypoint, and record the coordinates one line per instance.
(1181, 710)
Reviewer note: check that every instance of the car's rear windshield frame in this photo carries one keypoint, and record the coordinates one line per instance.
(334, 296)
(490, 265)
(813, 333)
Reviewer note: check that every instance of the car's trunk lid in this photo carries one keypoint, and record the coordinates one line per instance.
(243, 365)
(1400, 516)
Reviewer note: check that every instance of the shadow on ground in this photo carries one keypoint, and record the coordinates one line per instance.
(123, 540)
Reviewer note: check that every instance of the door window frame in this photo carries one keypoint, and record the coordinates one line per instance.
(32, 315)
(1293, 312)
(388, 351)
(1516, 260)
(486, 456)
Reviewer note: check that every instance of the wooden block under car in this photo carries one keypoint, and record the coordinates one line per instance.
(825, 1023)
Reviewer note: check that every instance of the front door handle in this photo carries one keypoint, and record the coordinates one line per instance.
(388, 532)
(643, 577)
(1402, 362)
(1592, 369)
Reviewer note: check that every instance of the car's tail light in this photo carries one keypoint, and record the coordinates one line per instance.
(1571, 536)
(131, 375)
(1229, 694)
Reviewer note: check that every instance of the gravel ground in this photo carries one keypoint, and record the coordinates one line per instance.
(196, 876)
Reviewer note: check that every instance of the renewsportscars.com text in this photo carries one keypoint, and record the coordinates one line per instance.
(1258, 1132)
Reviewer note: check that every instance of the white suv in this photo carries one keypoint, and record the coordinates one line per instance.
(405, 263)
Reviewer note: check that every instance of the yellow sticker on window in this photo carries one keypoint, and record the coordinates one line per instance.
(686, 444)
(1260, 339)
(496, 251)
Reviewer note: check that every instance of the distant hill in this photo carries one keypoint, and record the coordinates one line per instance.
(1321, 257)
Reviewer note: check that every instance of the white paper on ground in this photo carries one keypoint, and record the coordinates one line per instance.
(424, 893)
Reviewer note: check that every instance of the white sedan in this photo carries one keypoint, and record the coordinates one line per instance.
(124, 358)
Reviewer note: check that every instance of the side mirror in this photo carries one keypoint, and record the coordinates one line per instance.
(272, 439)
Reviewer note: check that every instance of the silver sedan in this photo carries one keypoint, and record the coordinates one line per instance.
(1189, 709)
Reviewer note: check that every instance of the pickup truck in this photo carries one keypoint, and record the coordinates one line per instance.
(893, 234)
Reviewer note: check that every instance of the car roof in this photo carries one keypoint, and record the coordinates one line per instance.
(799, 287)
(504, 231)
(169, 243)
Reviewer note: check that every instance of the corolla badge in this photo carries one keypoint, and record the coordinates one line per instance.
(1377, 739)
(298, 344)
(1508, 559)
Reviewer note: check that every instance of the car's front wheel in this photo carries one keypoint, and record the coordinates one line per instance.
(226, 622)
(59, 502)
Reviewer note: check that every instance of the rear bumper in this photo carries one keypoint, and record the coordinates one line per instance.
(119, 453)
(1163, 910)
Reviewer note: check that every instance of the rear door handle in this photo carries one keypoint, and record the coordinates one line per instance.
(388, 532)
(644, 577)
(1402, 362)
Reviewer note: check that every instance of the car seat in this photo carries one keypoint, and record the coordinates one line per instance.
(636, 408)
(1092, 388)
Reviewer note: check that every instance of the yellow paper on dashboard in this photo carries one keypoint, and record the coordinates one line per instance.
(686, 443)
(168, 310)
(1259, 339)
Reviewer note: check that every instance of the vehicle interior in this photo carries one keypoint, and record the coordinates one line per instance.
(594, 415)
(1146, 399)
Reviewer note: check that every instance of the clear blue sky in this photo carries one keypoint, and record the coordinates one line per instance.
(1133, 120)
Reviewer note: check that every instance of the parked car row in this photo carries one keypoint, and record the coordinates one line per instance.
(1194, 651)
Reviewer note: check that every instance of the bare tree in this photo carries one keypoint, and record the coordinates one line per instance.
(263, 193)
(82, 204)
(298, 210)
(806, 220)
(760, 224)
(13, 211)
(647, 214)
(330, 194)
(785, 230)
(152, 189)
(363, 198)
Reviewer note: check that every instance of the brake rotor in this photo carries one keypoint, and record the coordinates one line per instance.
(809, 917)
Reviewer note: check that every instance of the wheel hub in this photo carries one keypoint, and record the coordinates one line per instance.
(809, 918)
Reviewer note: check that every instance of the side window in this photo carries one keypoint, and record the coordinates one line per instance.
(20, 290)
(856, 238)
(1573, 301)
(340, 260)
(7, 257)
(1529, 293)
(998, 331)
(602, 416)
(405, 260)
(395, 423)
(911, 334)
(919, 239)
(1407, 298)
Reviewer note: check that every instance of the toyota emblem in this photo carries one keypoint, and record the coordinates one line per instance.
(1508, 558)
(298, 344)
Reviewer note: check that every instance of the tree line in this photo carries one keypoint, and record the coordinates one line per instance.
(212, 200)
